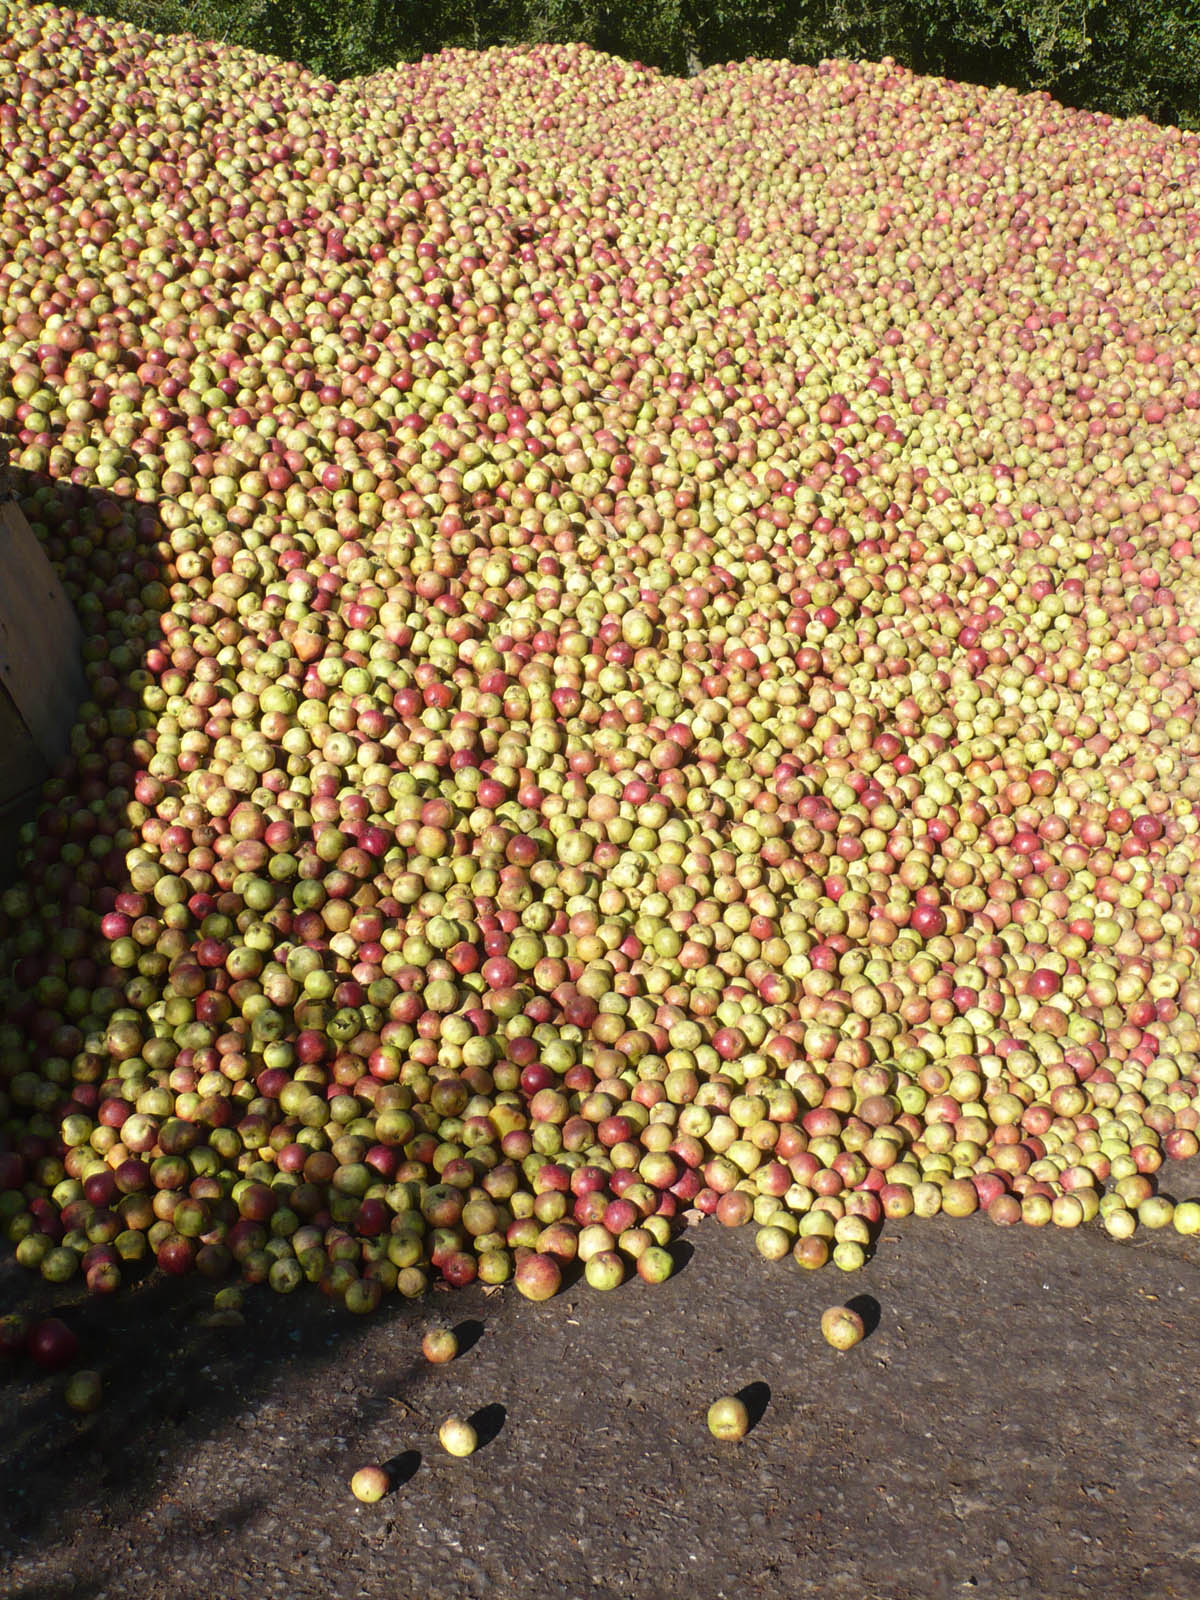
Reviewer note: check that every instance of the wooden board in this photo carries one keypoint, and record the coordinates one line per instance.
(41, 675)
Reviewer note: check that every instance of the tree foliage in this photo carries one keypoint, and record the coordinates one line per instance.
(1106, 55)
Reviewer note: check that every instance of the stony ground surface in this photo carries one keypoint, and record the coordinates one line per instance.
(1022, 1421)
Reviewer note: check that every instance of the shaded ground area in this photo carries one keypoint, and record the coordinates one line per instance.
(1023, 1420)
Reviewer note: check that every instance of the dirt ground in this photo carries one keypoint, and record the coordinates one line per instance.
(1023, 1420)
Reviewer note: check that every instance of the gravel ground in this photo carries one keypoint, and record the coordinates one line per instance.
(1022, 1420)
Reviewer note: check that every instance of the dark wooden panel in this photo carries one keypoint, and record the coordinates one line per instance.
(40, 670)
(41, 675)
(21, 763)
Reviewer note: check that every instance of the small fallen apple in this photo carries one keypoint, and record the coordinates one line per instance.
(14, 1335)
(370, 1484)
(439, 1346)
(52, 1344)
(538, 1277)
(83, 1392)
(842, 1327)
(458, 1437)
(605, 1270)
(728, 1418)
(655, 1265)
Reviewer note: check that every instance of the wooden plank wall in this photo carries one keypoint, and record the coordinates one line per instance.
(41, 672)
